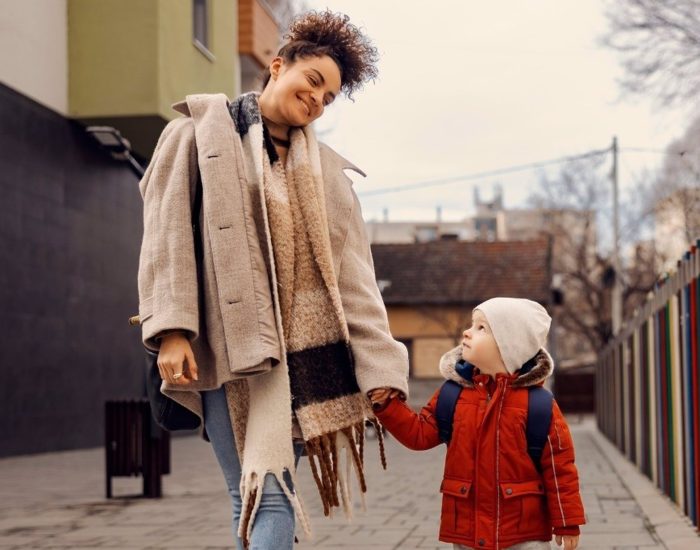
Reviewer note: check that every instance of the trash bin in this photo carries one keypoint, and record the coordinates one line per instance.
(135, 445)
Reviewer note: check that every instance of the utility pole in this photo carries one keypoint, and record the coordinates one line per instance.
(616, 297)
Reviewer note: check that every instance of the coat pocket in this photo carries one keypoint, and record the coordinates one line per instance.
(524, 507)
(457, 506)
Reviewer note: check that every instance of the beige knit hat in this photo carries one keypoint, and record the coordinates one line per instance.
(519, 326)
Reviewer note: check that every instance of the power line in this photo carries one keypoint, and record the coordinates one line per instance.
(657, 151)
(643, 150)
(480, 175)
(511, 169)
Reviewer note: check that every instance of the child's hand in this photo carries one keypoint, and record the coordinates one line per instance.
(379, 396)
(570, 541)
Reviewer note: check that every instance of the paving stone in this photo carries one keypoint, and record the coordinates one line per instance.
(56, 500)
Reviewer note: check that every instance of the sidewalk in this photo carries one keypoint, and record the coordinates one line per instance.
(56, 500)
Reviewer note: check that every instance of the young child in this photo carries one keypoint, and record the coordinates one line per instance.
(494, 497)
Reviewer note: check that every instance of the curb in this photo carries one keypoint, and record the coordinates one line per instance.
(666, 521)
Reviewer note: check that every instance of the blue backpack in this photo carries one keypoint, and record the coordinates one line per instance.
(539, 411)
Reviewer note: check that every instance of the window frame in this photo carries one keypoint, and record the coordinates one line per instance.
(201, 28)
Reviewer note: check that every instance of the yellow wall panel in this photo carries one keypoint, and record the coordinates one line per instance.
(112, 61)
(409, 322)
(426, 356)
(185, 69)
(130, 58)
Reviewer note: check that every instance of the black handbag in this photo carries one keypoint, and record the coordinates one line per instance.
(167, 413)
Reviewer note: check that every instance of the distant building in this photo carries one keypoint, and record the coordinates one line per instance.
(569, 230)
(430, 288)
(676, 226)
(490, 222)
(418, 232)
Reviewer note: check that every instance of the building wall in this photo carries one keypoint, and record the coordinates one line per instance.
(411, 232)
(432, 330)
(113, 57)
(426, 356)
(183, 69)
(673, 221)
(34, 50)
(70, 227)
(130, 57)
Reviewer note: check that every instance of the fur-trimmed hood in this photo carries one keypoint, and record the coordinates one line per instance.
(453, 367)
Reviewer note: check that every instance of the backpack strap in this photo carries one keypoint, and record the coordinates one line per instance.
(539, 417)
(445, 409)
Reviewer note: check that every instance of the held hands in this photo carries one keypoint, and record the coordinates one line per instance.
(379, 396)
(175, 360)
(570, 541)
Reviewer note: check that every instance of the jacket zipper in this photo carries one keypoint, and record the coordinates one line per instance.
(476, 458)
(498, 450)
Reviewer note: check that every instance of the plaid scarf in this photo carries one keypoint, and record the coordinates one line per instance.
(316, 384)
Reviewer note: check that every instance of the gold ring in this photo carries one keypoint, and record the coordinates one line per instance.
(177, 375)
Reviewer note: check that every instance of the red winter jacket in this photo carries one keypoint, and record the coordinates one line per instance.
(492, 495)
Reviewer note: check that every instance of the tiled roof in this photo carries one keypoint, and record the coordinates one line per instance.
(462, 272)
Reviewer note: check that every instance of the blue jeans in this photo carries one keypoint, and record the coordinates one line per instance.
(274, 523)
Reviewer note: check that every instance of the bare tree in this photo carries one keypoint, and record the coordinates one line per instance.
(660, 46)
(576, 215)
(674, 197)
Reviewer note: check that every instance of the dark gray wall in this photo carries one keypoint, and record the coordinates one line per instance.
(70, 231)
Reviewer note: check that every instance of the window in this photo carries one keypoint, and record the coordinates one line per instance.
(200, 26)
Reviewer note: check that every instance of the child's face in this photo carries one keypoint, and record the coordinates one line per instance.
(479, 346)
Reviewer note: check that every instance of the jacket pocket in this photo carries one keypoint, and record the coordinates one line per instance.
(457, 506)
(524, 509)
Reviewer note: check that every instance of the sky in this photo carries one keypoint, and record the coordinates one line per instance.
(469, 86)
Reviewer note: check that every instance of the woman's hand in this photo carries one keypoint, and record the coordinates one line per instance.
(379, 396)
(570, 541)
(175, 350)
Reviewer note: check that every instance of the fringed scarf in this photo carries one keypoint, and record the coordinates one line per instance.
(316, 384)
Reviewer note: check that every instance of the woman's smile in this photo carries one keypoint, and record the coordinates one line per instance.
(306, 106)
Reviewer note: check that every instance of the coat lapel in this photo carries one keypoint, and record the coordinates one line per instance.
(340, 199)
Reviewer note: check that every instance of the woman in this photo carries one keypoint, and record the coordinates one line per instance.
(277, 335)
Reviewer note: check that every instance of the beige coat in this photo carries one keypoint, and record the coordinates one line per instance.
(237, 335)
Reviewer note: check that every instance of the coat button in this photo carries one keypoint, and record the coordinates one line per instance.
(509, 491)
(463, 489)
(482, 542)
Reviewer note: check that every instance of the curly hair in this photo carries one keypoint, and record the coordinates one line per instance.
(314, 33)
